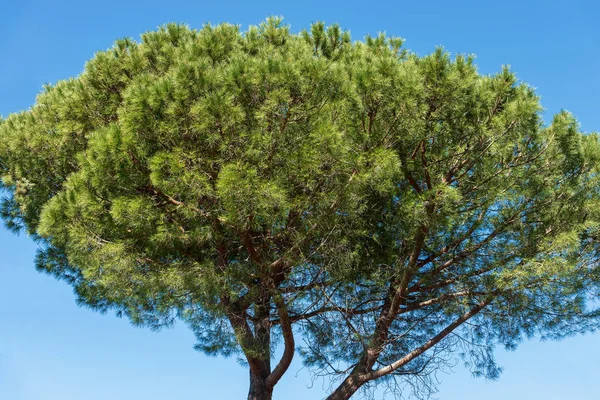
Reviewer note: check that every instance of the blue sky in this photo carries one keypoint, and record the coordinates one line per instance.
(52, 349)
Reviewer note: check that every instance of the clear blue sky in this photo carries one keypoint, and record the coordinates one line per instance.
(51, 349)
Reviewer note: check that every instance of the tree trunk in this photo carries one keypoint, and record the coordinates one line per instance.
(259, 359)
(347, 389)
(259, 389)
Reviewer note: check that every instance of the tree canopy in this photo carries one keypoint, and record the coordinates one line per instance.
(395, 211)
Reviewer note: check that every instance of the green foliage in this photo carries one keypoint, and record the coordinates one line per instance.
(238, 180)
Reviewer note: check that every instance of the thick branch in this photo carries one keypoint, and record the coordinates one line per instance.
(355, 380)
(288, 337)
(426, 346)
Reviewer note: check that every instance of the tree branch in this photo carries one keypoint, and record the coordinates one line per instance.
(427, 345)
(288, 337)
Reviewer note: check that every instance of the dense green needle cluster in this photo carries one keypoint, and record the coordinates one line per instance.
(395, 211)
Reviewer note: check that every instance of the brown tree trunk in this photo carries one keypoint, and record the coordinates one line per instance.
(344, 391)
(259, 390)
(259, 359)
(256, 348)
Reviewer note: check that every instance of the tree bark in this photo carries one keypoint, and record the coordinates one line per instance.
(255, 344)
(259, 389)
(344, 391)
(259, 356)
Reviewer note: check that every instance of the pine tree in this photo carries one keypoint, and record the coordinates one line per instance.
(395, 211)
